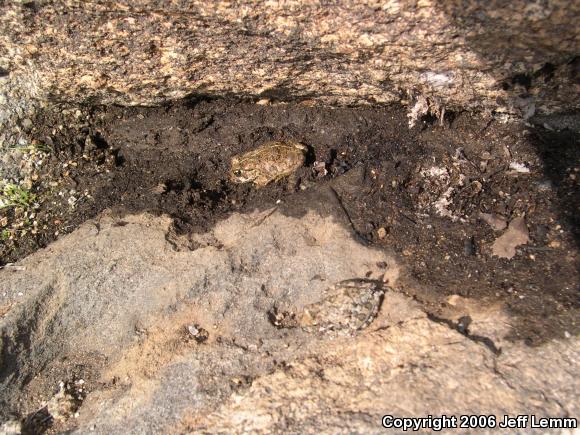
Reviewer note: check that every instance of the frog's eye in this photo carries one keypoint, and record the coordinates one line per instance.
(237, 173)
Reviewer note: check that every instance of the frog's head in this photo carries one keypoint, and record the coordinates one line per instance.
(243, 170)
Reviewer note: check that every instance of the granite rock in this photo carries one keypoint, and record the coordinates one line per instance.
(102, 320)
(517, 58)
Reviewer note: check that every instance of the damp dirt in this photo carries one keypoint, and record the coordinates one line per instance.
(437, 195)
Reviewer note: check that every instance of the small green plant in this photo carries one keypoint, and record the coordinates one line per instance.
(5, 235)
(34, 146)
(13, 195)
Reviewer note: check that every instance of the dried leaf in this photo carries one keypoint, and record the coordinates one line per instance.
(516, 234)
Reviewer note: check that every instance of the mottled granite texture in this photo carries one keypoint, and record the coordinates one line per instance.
(516, 57)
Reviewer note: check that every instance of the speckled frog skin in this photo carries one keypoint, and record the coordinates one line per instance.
(269, 162)
(347, 307)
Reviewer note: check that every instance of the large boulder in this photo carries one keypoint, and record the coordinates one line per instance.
(514, 57)
(114, 330)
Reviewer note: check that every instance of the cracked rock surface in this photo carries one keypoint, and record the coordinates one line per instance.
(148, 336)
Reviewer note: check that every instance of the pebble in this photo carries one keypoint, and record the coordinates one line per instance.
(545, 185)
(90, 144)
(198, 333)
(469, 247)
(26, 123)
(519, 167)
(320, 168)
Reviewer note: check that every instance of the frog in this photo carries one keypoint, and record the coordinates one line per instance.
(346, 308)
(270, 162)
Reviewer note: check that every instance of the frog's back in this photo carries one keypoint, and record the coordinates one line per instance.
(271, 161)
(284, 158)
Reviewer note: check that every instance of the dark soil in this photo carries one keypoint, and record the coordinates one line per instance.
(389, 179)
